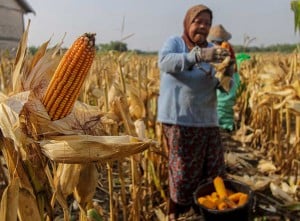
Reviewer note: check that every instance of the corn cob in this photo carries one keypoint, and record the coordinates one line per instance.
(206, 202)
(65, 85)
(222, 206)
(235, 197)
(220, 187)
(215, 197)
(243, 199)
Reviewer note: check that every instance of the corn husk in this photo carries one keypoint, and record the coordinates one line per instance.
(66, 178)
(136, 105)
(83, 119)
(2, 96)
(10, 108)
(87, 148)
(28, 209)
(224, 79)
(9, 201)
(86, 187)
(18, 72)
(294, 105)
(266, 166)
(140, 128)
(280, 194)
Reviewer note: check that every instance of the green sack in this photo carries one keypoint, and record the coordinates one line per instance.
(240, 57)
(225, 104)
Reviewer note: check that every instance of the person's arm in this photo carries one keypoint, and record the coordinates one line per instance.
(173, 59)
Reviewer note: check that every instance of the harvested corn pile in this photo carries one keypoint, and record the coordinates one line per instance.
(222, 198)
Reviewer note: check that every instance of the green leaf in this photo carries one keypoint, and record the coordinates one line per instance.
(93, 215)
(295, 7)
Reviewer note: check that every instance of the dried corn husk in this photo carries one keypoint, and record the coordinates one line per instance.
(294, 105)
(10, 108)
(86, 148)
(279, 193)
(233, 159)
(83, 119)
(136, 106)
(113, 93)
(140, 128)
(9, 201)
(18, 72)
(266, 166)
(28, 209)
(256, 182)
(2, 96)
(86, 187)
(66, 178)
(224, 79)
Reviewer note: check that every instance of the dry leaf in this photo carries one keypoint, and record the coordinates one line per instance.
(266, 166)
(10, 201)
(279, 193)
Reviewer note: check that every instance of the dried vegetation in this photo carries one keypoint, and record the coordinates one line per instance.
(107, 158)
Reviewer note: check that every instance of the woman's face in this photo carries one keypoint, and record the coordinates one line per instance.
(199, 28)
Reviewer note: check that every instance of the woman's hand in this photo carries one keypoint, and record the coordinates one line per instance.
(215, 55)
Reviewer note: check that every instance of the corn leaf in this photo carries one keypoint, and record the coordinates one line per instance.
(295, 7)
(9, 201)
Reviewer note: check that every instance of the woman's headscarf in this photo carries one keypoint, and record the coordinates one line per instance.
(190, 15)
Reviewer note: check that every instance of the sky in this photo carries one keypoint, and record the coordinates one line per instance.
(150, 22)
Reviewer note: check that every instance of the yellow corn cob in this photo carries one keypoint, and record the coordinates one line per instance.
(220, 187)
(243, 199)
(222, 206)
(204, 201)
(235, 197)
(69, 76)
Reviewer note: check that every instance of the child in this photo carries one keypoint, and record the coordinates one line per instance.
(219, 36)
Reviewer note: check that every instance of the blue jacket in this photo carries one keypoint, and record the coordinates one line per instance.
(187, 94)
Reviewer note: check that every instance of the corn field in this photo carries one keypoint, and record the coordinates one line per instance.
(107, 157)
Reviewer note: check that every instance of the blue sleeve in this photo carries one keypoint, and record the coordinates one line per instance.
(173, 56)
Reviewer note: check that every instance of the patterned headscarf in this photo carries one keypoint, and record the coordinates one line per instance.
(191, 14)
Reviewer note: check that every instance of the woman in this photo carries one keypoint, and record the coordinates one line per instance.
(187, 108)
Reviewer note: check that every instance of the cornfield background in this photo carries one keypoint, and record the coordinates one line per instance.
(119, 100)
